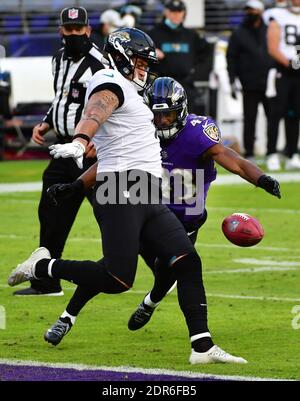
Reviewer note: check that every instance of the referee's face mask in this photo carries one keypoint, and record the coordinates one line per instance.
(76, 41)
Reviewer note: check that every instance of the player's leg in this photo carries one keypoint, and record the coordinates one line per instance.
(277, 110)
(164, 278)
(251, 100)
(167, 236)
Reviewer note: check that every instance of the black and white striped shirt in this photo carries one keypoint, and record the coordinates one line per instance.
(70, 84)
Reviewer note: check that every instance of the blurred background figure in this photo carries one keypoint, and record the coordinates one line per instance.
(130, 15)
(249, 61)
(109, 21)
(283, 45)
(179, 49)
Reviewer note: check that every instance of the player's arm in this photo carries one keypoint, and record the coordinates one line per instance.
(236, 164)
(273, 41)
(100, 106)
(87, 180)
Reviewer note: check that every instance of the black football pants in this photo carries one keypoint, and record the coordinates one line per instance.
(56, 221)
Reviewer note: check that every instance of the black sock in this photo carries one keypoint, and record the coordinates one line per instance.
(202, 344)
(41, 268)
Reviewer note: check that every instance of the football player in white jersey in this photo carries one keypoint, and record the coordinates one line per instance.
(284, 46)
(121, 126)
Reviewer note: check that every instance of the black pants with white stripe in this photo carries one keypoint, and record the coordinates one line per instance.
(124, 227)
(56, 221)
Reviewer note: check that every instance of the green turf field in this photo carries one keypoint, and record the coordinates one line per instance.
(251, 291)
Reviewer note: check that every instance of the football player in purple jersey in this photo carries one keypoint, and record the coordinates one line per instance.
(189, 144)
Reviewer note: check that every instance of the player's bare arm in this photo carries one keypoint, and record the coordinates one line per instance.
(273, 40)
(98, 109)
(236, 164)
(89, 177)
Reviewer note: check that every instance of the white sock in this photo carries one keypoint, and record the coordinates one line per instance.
(148, 302)
(201, 335)
(71, 317)
(50, 267)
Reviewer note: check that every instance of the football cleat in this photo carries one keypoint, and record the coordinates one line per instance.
(293, 163)
(25, 271)
(56, 333)
(214, 355)
(28, 292)
(140, 317)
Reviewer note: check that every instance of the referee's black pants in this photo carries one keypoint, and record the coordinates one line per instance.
(251, 100)
(56, 221)
(123, 228)
(285, 103)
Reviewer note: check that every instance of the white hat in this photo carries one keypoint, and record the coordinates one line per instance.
(256, 4)
(111, 17)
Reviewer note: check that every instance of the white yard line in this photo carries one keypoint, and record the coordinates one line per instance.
(128, 369)
(210, 294)
(199, 244)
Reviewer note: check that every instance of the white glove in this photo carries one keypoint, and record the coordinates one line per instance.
(74, 149)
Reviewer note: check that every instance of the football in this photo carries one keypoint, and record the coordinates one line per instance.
(242, 229)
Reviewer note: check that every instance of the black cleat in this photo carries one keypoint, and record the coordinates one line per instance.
(56, 333)
(32, 291)
(140, 317)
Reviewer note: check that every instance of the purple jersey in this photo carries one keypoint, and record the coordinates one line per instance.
(185, 152)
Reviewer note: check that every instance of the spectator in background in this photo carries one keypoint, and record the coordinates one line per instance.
(179, 49)
(109, 21)
(130, 15)
(249, 61)
(283, 45)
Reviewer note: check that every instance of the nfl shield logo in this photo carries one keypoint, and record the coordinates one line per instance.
(75, 93)
(73, 13)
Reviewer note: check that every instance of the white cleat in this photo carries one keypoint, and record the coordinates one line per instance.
(214, 355)
(293, 163)
(25, 271)
(273, 162)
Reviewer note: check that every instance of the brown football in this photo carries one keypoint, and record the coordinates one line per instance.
(242, 229)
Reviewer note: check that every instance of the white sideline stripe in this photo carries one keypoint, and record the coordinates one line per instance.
(253, 270)
(213, 295)
(209, 208)
(21, 187)
(199, 244)
(250, 261)
(129, 369)
(221, 180)
(233, 179)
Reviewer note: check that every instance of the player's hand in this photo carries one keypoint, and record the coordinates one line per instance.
(58, 192)
(38, 132)
(74, 149)
(90, 151)
(270, 185)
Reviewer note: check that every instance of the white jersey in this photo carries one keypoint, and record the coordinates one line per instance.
(290, 29)
(127, 139)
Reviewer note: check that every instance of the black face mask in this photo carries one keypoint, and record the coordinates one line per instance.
(251, 19)
(76, 46)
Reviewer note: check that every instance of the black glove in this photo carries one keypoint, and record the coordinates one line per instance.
(58, 192)
(270, 185)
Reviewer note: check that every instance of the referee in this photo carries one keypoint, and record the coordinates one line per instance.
(72, 68)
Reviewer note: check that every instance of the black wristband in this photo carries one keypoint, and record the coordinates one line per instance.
(83, 136)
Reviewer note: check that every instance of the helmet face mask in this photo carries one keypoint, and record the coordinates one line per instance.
(126, 49)
(168, 101)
